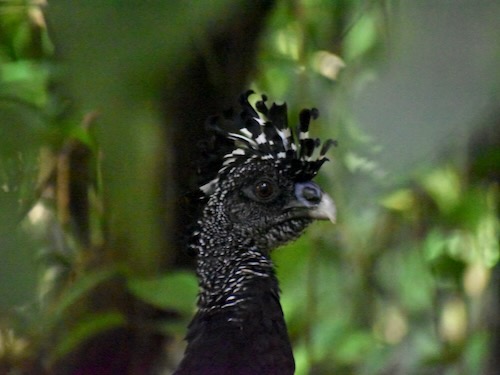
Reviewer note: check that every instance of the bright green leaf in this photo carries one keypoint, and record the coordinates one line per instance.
(174, 291)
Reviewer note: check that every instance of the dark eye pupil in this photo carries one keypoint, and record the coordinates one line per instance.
(263, 189)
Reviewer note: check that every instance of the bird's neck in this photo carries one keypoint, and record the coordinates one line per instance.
(239, 328)
(233, 275)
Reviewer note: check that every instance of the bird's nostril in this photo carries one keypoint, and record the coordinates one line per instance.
(311, 194)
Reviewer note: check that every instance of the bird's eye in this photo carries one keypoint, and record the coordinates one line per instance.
(264, 189)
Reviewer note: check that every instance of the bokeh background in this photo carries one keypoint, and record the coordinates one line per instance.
(102, 105)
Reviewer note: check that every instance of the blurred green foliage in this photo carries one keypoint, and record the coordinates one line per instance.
(22, 96)
(400, 285)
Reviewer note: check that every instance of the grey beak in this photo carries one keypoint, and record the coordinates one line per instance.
(325, 210)
(312, 202)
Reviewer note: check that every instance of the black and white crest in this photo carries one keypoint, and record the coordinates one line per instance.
(263, 132)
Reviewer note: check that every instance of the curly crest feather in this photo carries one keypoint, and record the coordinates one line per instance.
(263, 132)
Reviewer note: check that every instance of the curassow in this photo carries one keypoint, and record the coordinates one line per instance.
(260, 197)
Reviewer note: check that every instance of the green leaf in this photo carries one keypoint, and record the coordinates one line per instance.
(400, 200)
(25, 81)
(355, 346)
(444, 186)
(174, 291)
(361, 38)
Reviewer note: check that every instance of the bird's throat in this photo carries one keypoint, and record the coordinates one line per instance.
(235, 281)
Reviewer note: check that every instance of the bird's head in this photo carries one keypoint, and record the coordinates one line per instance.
(263, 189)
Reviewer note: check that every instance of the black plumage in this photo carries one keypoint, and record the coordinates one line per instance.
(257, 181)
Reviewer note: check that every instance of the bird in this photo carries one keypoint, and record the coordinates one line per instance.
(259, 194)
